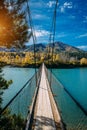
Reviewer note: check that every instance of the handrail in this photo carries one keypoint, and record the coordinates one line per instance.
(78, 104)
(63, 93)
(3, 109)
(29, 117)
(58, 119)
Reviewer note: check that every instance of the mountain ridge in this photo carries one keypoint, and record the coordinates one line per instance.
(58, 47)
(41, 47)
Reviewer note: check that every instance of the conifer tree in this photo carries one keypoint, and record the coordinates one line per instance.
(13, 32)
(13, 25)
(3, 85)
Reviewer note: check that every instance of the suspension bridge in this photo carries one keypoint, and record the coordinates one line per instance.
(40, 110)
(45, 110)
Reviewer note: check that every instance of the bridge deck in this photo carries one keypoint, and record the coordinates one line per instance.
(44, 119)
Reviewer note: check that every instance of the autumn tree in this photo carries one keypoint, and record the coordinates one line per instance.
(83, 61)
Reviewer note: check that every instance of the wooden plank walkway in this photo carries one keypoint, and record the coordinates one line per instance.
(43, 116)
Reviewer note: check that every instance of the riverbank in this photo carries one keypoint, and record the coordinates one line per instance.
(48, 65)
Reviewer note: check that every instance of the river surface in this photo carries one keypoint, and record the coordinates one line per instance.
(19, 76)
(75, 81)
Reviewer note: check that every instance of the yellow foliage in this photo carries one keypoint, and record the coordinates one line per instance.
(83, 61)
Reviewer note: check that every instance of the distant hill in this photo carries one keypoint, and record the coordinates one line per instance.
(58, 47)
(2, 48)
(38, 47)
(61, 47)
(12, 49)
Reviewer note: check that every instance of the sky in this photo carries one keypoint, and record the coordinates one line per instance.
(71, 21)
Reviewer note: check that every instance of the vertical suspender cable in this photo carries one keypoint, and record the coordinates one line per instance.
(54, 27)
(52, 37)
(33, 35)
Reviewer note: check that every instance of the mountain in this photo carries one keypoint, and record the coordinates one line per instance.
(58, 47)
(62, 47)
(2, 48)
(38, 47)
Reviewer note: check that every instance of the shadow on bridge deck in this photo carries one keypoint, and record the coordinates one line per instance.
(44, 121)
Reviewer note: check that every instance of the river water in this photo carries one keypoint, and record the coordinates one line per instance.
(19, 76)
(75, 81)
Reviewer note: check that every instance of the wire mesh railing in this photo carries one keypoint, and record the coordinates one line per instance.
(14, 114)
(72, 115)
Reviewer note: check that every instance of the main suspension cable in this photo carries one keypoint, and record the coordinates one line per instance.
(54, 28)
(33, 35)
(52, 38)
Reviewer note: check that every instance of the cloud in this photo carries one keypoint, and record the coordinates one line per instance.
(61, 35)
(81, 36)
(50, 4)
(85, 19)
(41, 36)
(66, 5)
(72, 17)
(62, 9)
(37, 4)
(40, 17)
(84, 47)
(41, 33)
